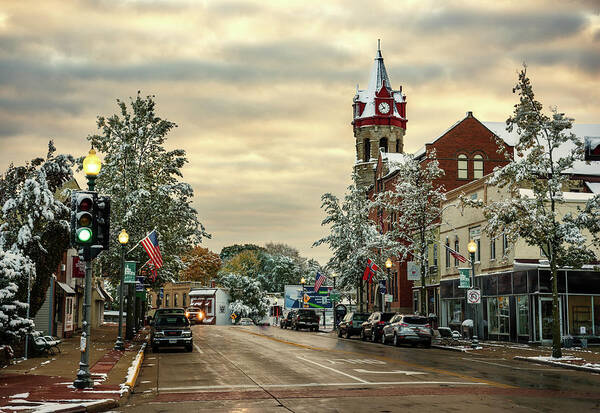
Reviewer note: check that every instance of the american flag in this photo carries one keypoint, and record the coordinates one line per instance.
(150, 244)
(319, 281)
(455, 254)
(370, 271)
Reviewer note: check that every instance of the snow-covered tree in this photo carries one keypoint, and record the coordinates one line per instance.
(545, 153)
(351, 235)
(277, 271)
(247, 298)
(201, 265)
(14, 269)
(231, 251)
(144, 182)
(34, 220)
(411, 210)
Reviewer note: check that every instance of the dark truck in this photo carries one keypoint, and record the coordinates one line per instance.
(305, 318)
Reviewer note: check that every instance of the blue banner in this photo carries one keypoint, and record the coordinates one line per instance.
(294, 297)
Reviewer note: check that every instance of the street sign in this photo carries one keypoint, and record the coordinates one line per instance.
(465, 280)
(129, 272)
(306, 298)
(139, 284)
(295, 295)
(389, 298)
(413, 271)
(233, 316)
(335, 296)
(473, 296)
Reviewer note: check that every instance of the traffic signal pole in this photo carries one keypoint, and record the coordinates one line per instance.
(84, 378)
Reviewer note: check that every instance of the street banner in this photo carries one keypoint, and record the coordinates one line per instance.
(413, 271)
(78, 268)
(129, 272)
(139, 284)
(465, 279)
(382, 287)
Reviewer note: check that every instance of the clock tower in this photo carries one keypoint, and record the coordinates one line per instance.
(379, 121)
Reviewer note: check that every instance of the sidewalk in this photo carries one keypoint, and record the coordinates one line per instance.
(45, 383)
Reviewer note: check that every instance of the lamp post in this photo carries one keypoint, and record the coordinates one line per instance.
(472, 248)
(334, 276)
(303, 281)
(123, 240)
(91, 168)
(388, 265)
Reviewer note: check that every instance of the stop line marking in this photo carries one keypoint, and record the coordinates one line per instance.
(408, 373)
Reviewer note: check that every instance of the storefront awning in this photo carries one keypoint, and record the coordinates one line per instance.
(66, 288)
(594, 187)
(105, 293)
(203, 291)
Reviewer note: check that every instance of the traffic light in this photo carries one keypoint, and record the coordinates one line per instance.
(102, 219)
(83, 210)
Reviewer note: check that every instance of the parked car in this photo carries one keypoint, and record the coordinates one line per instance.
(411, 329)
(352, 324)
(246, 322)
(373, 327)
(171, 330)
(286, 321)
(194, 314)
(305, 318)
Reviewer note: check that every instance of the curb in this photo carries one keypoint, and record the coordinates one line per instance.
(134, 369)
(557, 364)
(459, 349)
(99, 406)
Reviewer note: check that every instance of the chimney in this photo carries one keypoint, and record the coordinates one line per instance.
(469, 114)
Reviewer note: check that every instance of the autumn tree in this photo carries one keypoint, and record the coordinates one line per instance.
(201, 264)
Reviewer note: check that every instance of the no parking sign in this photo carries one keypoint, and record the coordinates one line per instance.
(473, 296)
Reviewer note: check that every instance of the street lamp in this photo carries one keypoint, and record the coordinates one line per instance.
(388, 265)
(303, 281)
(472, 248)
(123, 240)
(91, 168)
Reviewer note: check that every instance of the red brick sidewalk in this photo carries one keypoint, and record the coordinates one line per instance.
(46, 382)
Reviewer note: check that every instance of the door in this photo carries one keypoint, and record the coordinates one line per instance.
(545, 319)
(69, 314)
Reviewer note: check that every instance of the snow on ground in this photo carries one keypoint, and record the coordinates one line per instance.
(567, 361)
(46, 407)
(19, 396)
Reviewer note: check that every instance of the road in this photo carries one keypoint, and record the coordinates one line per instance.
(266, 369)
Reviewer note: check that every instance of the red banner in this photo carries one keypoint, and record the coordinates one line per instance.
(78, 268)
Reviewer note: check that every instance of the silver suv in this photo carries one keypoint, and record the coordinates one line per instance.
(411, 329)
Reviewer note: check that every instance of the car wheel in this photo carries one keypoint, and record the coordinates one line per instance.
(427, 344)
(362, 335)
(155, 349)
(348, 334)
(297, 328)
(281, 325)
(189, 349)
(383, 338)
(339, 333)
(396, 342)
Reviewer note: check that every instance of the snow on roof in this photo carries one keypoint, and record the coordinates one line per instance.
(393, 160)
(379, 76)
(581, 130)
(594, 187)
(567, 196)
(202, 291)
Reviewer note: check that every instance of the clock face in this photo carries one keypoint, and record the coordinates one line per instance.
(384, 107)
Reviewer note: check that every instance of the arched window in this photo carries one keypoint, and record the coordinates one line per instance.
(175, 300)
(477, 166)
(184, 303)
(462, 166)
(398, 146)
(166, 300)
(383, 144)
(367, 151)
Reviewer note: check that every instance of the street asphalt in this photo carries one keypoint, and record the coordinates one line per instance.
(266, 369)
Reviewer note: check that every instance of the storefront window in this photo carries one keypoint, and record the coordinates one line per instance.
(455, 312)
(416, 301)
(580, 315)
(596, 316)
(522, 315)
(498, 315)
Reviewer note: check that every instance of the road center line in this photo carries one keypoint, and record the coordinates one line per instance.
(335, 370)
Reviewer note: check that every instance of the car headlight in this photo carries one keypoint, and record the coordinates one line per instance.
(159, 334)
(186, 334)
(200, 315)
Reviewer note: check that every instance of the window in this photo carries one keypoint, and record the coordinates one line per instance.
(166, 300)
(462, 166)
(493, 249)
(456, 248)
(383, 144)
(184, 300)
(435, 255)
(447, 253)
(175, 300)
(397, 146)
(522, 315)
(367, 154)
(498, 315)
(504, 245)
(477, 166)
(475, 235)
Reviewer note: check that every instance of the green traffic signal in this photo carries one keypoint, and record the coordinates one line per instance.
(84, 234)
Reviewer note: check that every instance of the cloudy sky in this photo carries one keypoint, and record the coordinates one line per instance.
(262, 91)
